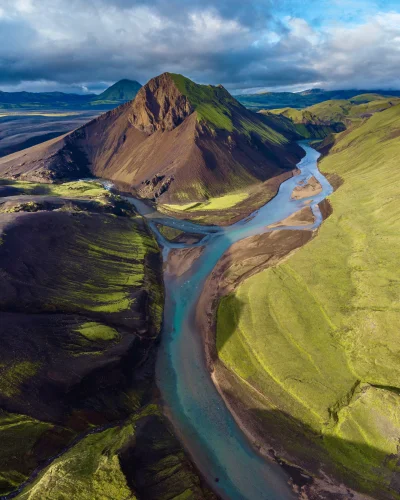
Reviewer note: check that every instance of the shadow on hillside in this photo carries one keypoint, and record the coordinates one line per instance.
(360, 466)
(229, 311)
(10, 187)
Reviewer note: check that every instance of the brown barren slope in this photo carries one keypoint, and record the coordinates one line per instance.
(177, 140)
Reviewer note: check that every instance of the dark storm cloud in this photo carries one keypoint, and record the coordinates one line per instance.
(236, 43)
(209, 40)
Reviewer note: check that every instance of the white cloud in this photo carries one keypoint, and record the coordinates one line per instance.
(77, 42)
(300, 29)
(366, 55)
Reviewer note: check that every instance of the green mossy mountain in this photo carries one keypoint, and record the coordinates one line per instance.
(306, 98)
(120, 92)
(334, 116)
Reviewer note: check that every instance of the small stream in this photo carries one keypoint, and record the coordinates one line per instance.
(200, 417)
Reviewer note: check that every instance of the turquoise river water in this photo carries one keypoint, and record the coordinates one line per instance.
(199, 415)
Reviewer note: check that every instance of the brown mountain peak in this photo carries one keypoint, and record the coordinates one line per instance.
(159, 105)
(178, 140)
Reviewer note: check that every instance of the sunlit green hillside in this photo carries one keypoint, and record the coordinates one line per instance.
(334, 115)
(217, 107)
(318, 335)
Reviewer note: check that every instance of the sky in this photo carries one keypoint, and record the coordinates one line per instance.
(246, 45)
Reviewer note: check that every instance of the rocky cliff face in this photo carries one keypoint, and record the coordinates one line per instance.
(159, 106)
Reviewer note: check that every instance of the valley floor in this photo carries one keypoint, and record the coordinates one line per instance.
(21, 129)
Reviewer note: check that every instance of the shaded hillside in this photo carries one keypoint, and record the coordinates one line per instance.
(176, 141)
(322, 350)
(120, 92)
(299, 100)
(81, 305)
(305, 123)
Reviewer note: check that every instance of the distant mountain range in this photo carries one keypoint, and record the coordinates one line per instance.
(273, 100)
(119, 93)
(126, 90)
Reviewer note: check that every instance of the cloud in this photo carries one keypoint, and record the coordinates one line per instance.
(366, 55)
(78, 43)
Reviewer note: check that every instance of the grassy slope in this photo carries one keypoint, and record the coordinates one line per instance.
(108, 290)
(318, 335)
(351, 111)
(222, 209)
(99, 268)
(218, 203)
(274, 100)
(75, 189)
(19, 434)
(222, 111)
(105, 289)
(91, 469)
(96, 467)
(367, 98)
(99, 264)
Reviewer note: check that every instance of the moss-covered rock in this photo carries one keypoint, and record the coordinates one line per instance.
(140, 458)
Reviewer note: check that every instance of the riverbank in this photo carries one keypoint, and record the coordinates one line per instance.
(224, 211)
(245, 402)
(244, 259)
(200, 417)
(236, 208)
(81, 305)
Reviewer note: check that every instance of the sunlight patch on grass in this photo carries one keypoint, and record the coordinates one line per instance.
(97, 331)
(13, 375)
(74, 189)
(217, 203)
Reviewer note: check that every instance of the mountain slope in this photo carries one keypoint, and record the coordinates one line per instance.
(333, 116)
(177, 140)
(329, 374)
(122, 91)
(81, 305)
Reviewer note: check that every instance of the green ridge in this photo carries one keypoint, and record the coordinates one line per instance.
(307, 332)
(217, 107)
(322, 119)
